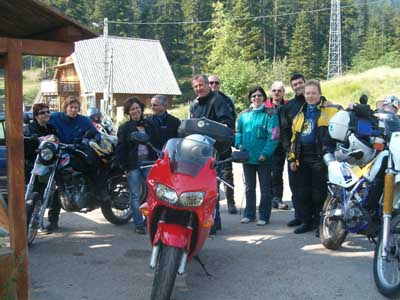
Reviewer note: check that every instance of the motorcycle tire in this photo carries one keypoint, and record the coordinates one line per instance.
(32, 206)
(166, 271)
(118, 210)
(386, 271)
(115, 216)
(332, 232)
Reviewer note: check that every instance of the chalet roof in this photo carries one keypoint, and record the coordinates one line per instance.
(139, 66)
(30, 19)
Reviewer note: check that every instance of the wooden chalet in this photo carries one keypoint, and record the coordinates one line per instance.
(139, 67)
(28, 27)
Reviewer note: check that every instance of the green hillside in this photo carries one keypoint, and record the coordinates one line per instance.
(376, 83)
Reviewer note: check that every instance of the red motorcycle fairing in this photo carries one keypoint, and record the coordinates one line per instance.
(205, 181)
(173, 235)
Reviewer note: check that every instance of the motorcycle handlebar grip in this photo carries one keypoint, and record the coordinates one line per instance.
(147, 162)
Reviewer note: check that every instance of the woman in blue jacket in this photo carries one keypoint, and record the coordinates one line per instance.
(258, 134)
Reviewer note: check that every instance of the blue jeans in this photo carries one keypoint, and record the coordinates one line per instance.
(135, 180)
(264, 177)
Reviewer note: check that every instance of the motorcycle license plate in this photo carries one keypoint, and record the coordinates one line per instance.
(40, 170)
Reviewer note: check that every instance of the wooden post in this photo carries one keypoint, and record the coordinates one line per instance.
(15, 162)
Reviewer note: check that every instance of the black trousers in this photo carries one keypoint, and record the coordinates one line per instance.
(311, 188)
(278, 164)
(298, 214)
(227, 175)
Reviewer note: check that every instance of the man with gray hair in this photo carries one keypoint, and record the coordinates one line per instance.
(165, 125)
(274, 104)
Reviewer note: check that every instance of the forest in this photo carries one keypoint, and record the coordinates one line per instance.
(250, 41)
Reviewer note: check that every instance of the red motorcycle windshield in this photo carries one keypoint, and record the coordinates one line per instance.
(188, 156)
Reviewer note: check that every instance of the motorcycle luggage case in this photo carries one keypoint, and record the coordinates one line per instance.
(222, 134)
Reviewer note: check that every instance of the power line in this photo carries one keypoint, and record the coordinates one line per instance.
(245, 18)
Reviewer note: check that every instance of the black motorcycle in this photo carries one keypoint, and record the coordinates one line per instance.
(69, 172)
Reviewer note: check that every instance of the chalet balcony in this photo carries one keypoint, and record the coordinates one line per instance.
(68, 87)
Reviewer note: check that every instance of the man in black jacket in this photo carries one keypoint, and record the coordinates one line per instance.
(286, 116)
(165, 125)
(227, 174)
(212, 106)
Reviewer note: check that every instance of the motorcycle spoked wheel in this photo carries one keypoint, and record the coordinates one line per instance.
(331, 230)
(165, 273)
(114, 212)
(387, 271)
(32, 216)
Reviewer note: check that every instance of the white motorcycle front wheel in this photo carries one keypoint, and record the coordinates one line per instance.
(387, 269)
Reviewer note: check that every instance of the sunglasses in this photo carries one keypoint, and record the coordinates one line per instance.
(214, 82)
(257, 95)
(43, 112)
(275, 91)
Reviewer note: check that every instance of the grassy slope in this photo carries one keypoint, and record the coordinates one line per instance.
(376, 83)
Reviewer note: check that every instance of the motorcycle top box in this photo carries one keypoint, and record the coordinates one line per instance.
(222, 134)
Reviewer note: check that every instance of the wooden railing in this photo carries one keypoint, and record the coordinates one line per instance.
(66, 87)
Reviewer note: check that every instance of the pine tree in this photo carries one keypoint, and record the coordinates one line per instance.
(250, 41)
(300, 55)
(224, 38)
(115, 10)
(195, 40)
(170, 36)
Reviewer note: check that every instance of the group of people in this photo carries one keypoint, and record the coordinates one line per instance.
(272, 130)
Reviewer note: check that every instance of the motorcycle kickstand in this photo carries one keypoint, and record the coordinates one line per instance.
(197, 258)
(371, 239)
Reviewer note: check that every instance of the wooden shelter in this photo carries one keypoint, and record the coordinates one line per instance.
(27, 27)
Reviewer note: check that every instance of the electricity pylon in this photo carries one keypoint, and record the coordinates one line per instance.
(335, 42)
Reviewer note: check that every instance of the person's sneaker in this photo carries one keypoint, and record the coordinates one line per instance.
(303, 228)
(245, 220)
(283, 206)
(275, 202)
(261, 223)
(232, 209)
(51, 227)
(294, 222)
(140, 230)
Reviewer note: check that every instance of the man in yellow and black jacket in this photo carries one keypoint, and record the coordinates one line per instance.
(309, 142)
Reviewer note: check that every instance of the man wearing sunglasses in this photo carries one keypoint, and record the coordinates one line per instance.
(213, 106)
(227, 173)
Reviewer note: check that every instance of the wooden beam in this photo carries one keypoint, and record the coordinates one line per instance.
(15, 161)
(39, 47)
(3, 45)
(47, 48)
(7, 284)
(67, 33)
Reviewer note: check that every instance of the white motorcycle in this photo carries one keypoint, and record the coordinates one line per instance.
(352, 175)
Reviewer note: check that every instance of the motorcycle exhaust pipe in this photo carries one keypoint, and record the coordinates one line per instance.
(154, 256)
(182, 264)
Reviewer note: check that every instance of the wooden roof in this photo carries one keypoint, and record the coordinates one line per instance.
(30, 19)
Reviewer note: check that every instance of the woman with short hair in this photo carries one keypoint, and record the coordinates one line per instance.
(129, 154)
(258, 134)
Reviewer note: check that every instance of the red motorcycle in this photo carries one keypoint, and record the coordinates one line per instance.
(182, 194)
